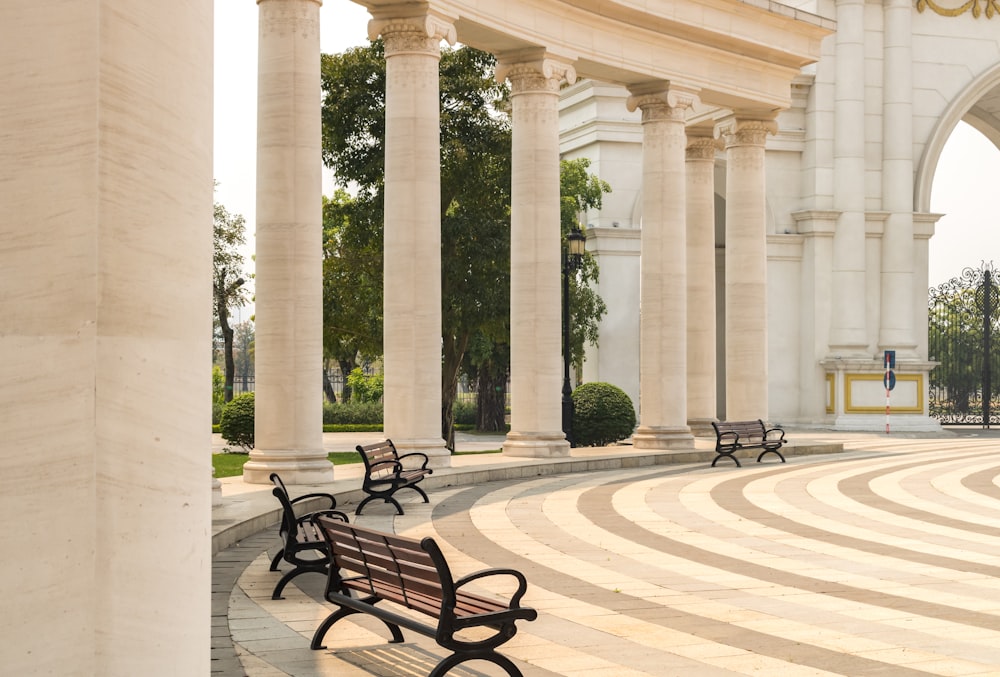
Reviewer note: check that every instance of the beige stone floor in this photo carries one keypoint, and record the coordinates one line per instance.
(882, 560)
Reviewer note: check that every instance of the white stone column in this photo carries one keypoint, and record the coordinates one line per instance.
(289, 266)
(701, 312)
(848, 334)
(412, 279)
(106, 306)
(663, 286)
(898, 249)
(535, 318)
(746, 267)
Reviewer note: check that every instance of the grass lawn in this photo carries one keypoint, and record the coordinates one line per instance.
(229, 465)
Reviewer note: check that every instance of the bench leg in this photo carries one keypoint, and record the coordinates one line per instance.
(419, 491)
(727, 454)
(287, 578)
(771, 451)
(343, 612)
(387, 499)
(492, 656)
(276, 559)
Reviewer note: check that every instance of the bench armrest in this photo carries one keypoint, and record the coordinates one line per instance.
(329, 497)
(310, 517)
(522, 583)
(423, 465)
(774, 438)
(729, 438)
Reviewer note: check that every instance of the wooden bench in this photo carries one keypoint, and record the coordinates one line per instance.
(386, 473)
(731, 436)
(379, 567)
(299, 535)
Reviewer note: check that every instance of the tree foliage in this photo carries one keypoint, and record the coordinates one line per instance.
(228, 280)
(581, 191)
(475, 208)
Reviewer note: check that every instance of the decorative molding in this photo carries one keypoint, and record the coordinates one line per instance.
(831, 393)
(851, 408)
(534, 73)
(975, 7)
(661, 101)
(417, 34)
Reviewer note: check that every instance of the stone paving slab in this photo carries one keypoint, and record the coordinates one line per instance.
(881, 560)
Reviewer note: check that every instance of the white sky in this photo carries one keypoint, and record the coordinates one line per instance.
(964, 186)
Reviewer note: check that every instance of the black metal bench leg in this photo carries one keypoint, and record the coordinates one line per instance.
(771, 451)
(723, 454)
(419, 491)
(276, 559)
(287, 578)
(343, 612)
(455, 659)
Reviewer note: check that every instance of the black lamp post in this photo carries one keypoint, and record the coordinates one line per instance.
(572, 258)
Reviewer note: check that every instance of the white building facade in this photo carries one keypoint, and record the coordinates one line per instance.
(849, 169)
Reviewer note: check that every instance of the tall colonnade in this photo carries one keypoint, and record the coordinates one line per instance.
(105, 200)
(412, 33)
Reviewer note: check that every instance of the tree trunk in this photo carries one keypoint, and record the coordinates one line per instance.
(331, 396)
(346, 367)
(227, 341)
(491, 398)
(454, 351)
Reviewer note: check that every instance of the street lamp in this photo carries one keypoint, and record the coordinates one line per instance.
(572, 259)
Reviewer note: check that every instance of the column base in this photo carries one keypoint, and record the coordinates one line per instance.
(702, 427)
(438, 455)
(537, 445)
(294, 467)
(663, 437)
(216, 490)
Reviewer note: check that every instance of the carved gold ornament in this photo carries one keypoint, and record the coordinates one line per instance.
(992, 7)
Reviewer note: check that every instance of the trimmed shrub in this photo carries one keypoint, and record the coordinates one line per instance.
(236, 422)
(602, 415)
(464, 413)
(354, 413)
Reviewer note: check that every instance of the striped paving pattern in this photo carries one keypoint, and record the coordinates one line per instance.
(884, 560)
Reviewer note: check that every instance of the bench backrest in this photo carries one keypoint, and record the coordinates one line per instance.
(289, 524)
(379, 458)
(403, 570)
(749, 431)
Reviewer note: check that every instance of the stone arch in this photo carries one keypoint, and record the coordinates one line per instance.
(967, 107)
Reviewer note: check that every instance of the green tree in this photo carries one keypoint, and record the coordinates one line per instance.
(227, 286)
(475, 204)
(244, 346)
(352, 284)
(581, 191)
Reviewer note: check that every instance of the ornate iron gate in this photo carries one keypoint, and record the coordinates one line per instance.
(963, 326)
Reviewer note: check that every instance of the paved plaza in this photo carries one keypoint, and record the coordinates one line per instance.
(882, 558)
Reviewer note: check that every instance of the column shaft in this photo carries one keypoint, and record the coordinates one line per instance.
(289, 266)
(701, 305)
(105, 262)
(535, 326)
(746, 269)
(663, 286)
(898, 253)
(412, 277)
(848, 335)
